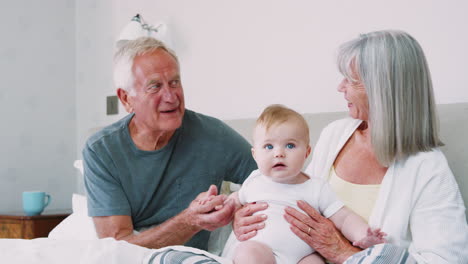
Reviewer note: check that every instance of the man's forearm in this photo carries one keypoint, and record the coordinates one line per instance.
(182, 227)
(175, 231)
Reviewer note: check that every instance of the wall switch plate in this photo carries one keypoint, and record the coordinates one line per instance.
(112, 105)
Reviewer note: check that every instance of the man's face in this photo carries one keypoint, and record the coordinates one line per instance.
(158, 98)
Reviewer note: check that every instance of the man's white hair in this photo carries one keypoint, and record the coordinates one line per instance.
(125, 55)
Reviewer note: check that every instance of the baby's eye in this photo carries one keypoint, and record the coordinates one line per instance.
(268, 146)
(290, 146)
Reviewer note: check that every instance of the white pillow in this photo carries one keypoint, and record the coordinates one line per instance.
(78, 225)
(79, 165)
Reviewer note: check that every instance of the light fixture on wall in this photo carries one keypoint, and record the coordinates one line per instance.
(137, 27)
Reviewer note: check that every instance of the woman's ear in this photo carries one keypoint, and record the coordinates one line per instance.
(124, 98)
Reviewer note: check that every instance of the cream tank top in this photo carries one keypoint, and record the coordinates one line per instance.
(358, 197)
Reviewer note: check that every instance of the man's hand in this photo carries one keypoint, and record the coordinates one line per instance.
(209, 211)
(200, 214)
(208, 196)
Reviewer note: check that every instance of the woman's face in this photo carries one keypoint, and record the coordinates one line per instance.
(356, 95)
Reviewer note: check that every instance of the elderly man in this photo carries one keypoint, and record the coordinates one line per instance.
(145, 171)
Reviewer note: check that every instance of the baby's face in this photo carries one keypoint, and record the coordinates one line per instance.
(280, 151)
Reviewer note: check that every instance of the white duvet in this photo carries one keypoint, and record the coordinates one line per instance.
(75, 240)
(46, 250)
(108, 250)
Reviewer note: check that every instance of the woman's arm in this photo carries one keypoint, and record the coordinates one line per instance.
(438, 223)
(319, 233)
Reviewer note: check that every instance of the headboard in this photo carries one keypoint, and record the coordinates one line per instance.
(453, 132)
(453, 128)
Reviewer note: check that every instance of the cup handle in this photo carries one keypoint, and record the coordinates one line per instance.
(48, 200)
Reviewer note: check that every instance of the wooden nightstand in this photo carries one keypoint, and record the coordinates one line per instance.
(18, 225)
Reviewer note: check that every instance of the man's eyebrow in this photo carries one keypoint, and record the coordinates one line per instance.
(156, 80)
(152, 81)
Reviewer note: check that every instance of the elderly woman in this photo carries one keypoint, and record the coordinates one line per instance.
(383, 162)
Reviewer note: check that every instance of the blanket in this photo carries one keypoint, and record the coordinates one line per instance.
(184, 255)
(109, 250)
(382, 254)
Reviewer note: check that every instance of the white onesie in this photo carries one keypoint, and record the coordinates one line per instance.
(286, 246)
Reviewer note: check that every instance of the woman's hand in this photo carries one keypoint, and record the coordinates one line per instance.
(319, 233)
(245, 224)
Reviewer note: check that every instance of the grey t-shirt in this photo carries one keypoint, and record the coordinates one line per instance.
(153, 186)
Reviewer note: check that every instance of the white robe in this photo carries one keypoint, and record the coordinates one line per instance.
(419, 205)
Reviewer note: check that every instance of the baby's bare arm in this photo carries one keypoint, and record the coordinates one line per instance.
(351, 225)
(234, 197)
(355, 229)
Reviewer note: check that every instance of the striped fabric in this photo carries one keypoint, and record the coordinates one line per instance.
(382, 254)
(171, 256)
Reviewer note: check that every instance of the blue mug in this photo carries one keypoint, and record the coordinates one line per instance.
(35, 202)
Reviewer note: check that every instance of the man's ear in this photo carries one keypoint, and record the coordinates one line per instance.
(309, 149)
(253, 153)
(124, 99)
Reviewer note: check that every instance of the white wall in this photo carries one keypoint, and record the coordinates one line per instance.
(94, 49)
(236, 57)
(239, 56)
(37, 101)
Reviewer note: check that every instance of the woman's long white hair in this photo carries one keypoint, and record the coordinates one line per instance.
(395, 74)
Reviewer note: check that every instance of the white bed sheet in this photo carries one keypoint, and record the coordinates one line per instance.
(107, 250)
(47, 250)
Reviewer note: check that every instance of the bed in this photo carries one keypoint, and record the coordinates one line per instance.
(75, 240)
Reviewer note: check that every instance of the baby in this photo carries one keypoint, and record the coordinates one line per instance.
(280, 148)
